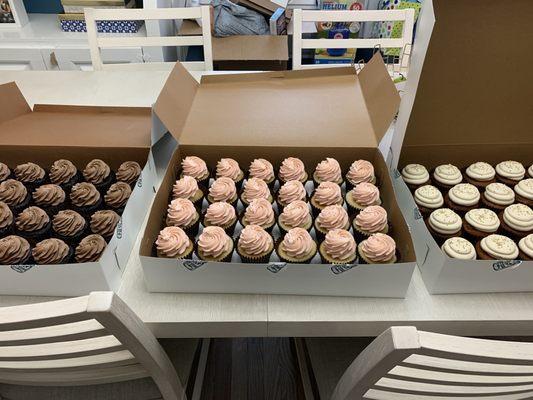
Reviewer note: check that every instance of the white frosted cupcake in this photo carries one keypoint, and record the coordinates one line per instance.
(480, 223)
(444, 224)
(497, 196)
(480, 174)
(496, 247)
(525, 247)
(428, 198)
(524, 192)
(462, 197)
(415, 175)
(447, 176)
(459, 248)
(517, 220)
(510, 172)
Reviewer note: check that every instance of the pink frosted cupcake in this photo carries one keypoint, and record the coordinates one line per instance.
(262, 169)
(339, 247)
(187, 188)
(297, 247)
(360, 171)
(295, 215)
(259, 212)
(371, 220)
(223, 189)
(229, 168)
(255, 245)
(331, 217)
(221, 214)
(289, 192)
(292, 169)
(173, 242)
(363, 195)
(183, 214)
(328, 170)
(377, 249)
(214, 245)
(255, 188)
(197, 168)
(326, 194)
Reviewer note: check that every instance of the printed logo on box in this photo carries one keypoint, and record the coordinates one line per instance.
(396, 173)
(119, 229)
(417, 214)
(275, 267)
(501, 265)
(193, 265)
(21, 268)
(341, 268)
(140, 181)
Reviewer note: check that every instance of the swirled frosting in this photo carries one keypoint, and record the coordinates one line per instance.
(445, 221)
(4, 171)
(526, 245)
(328, 170)
(50, 251)
(459, 248)
(129, 172)
(415, 174)
(372, 219)
(291, 191)
(118, 195)
(229, 168)
(448, 174)
(464, 194)
(530, 170)
(255, 188)
(29, 172)
(333, 217)
(525, 188)
(96, 171)
(379, 248)
(483, 220)
(213, 242)
(255, 241)
(181, 212)
(292, 169)
(68, 223)
(262, 169)
(500, 194)
(14, 250)
(6, 216)
(361, 171)
(499, 247)
(366, 194)
(519, 217)
(104, 222)
(90, 249)
(298, 244)
(511, 170)
(49, 195)
(195, 167)
(429, 197)
(340, 245)
(62, 171)
(296, 215)
(220, 214)
(223, 189)
(84, 194)
(480, 171)
(327, 194)
(12, 192)
(259, 212)
(185, 188)
(172, 242)
(31, 219)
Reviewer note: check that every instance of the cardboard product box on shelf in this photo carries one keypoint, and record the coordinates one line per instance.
(307, 114)
(79, 134)
(458, 109)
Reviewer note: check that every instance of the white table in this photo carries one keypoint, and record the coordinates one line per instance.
(217, 315)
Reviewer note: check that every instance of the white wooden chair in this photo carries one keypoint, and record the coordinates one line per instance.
(90, 340)
(403, 43)
(404, 363)
(97, 42)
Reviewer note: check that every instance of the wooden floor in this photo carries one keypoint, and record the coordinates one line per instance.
(252, 368)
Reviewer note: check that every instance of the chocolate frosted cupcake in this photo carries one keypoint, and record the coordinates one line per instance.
(262, 169)
(99, 174)
(297, 247)
(90, 249)
(326, 194)
(365, 194)
(51, 198)
(15, 195)
(14, 250)
(510, 172)
(328, 170)
(104, 222)
(497, 247)
(52, 251)
(517, 221)
(292, 169)
(69, 226)
(221, 214)
(428, 199)
(255, 188)
(459, 248)
(447, 176)
(182, 213)
(34, 224)
(129, 172)
(259, 212)
(462, 197)
(85, 198)
(289, 192)
(223, 189)
(497, 196)
(30, 174)
(379, 248)
(444, 224)
(255, 245)
(197, 168)
(214, 245)
(6, 220)
(371, 220)
(331, 217)
(480, 223)
(5, 172)
(525, 247)
(415, 176)
(524, 192)
(295, 215)
(229, 168)
(173, 242)
(64, 174)
(117, 196)
(339, 247)
(360, 171)
(187, 188)
(480, 174)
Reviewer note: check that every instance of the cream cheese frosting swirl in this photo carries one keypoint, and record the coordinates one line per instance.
(68, 223)
(229, 168)
(481, 171)
(182, 213)
(14, 250)
(12, 192)
(483, 220)
(62, 171)
(255, 188)
(6, 216)
(292, 169)
(223, 189)
(328, 193)
(185, 188)
(329, 170)
(291, 191)
(499, 247)
(366, 194)
(379, 248)
(448, 174)
(195, 167)
(500, 194)
(32, 219)
(298, 244)
(220, 214)
(118, 195)
(459, 248)
(259, 212)
(372, 219)
(50, 251)
(340, 245)
(333, 217)
(429, 197)
(519, 217)
(464, 194)
(360, 171)
(29, 172)
(296, 215)
(213, 242)
(255, 241)
(526, 245)
(511, 170)
(104, 222)
(49, 195)
(90, 248)
(262, 169)
(525, 188)
(84, 194)
(129, 172)
(445, 221)
(415, 174)
(172, 242)
(4, 171)
(96, 171)
(530, 171)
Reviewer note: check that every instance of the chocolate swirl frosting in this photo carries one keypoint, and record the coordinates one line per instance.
(62, 171)
(32, 219)
(128, 172)
(104, 222)
(12, 192)
(14, 250)
(84, 194)
(6, 216)
(29, 172)
(96, 171)
(90, 249)
(118, 194)
(4, 171)
(68, 223)
(49, 195)
(50, 251)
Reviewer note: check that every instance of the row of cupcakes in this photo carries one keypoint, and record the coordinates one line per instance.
(491, 247)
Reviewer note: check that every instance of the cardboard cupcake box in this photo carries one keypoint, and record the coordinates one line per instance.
(79, 134)
(306, 114)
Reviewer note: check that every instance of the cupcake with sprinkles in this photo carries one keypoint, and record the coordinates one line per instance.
(173, 242)
(497, 247)
(510, 172)
(462, 198)
(517, 221)
(525, 247)
(524, 192)
(497, 196)
(428, 199)
(480, 223)
(415, 176)
(480, 174)
(459, 249)
(444, 224)
(360, 171)
(447, 176)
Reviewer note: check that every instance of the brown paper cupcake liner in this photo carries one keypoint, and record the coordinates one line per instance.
(289, 260)
(248, 259)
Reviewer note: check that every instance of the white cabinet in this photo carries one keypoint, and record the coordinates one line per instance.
(21, 59)
(80, 58)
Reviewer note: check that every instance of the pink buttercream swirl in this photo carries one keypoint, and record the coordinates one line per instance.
(296, 215)
(195, 167)
(379, 247)
(229, 168)
(366, 194)
(185, 188)
(181, 212)
(262, 169)
(360, 171)
(213, 242)
(220, 214)
(255, 241)
(328, 193)
(329, 170)
(298, 243)
(255, 188)
(223, 189)
(340, 245)
(372, 219)
(172, 242)
(333, 217)
(259, 212)
(291, 191)
(292, 169)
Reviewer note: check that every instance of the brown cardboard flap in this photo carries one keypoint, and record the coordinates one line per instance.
(12, 102)
(258, 47)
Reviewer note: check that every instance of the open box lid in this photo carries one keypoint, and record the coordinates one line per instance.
(332, 107)
(70, 126)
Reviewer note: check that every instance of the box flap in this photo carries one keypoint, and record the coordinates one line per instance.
(244, 48)
(12, 102)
